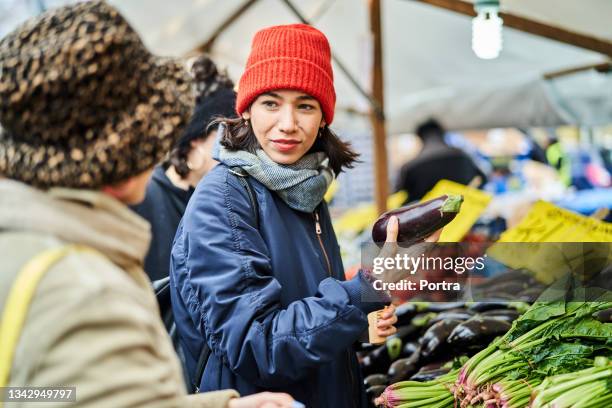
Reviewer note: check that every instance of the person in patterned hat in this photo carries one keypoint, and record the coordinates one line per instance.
(85, 113)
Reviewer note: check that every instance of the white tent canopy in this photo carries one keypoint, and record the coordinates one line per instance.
(429, 67)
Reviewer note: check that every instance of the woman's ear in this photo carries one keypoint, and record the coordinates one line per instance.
(322, 125)
(246, 115)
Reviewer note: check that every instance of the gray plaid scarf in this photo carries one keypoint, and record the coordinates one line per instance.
(300, 185)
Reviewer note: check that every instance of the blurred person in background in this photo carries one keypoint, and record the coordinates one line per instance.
(174, 181)
(435, 161)
(78, 141)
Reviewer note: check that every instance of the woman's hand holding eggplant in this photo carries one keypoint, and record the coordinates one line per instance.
(390, 250)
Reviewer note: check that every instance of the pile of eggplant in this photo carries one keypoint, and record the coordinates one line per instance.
(434, 338)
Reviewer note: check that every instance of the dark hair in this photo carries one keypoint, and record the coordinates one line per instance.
(214, 97)
(430, 127)
(238, 135)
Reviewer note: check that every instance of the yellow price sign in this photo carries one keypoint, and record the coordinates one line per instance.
(546, 222)
(474, 203)
(545, 225)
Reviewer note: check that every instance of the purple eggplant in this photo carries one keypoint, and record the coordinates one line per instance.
(375, 379)
(428, 375)
(418, 221)
(478, 331)
(407, 332)
(403, 368)
(376, 361)
(604, 316)
(482, 305)
(405, 312)
(434, 339)
(508, 315)
(409, 348)
(452, 314)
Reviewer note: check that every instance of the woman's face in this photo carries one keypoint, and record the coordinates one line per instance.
(286, 123)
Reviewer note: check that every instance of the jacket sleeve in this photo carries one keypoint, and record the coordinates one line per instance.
(112, 349)
(230, 290)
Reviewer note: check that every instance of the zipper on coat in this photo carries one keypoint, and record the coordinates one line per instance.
(319, 233)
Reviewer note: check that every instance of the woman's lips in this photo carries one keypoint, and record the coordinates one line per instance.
(285, 145)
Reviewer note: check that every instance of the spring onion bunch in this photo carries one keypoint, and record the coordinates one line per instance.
(552, 337)
(414, 394)
(589, 388)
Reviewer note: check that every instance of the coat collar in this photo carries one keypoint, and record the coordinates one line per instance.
(85, 217)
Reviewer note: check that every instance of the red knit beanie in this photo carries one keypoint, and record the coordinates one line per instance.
(295, 56)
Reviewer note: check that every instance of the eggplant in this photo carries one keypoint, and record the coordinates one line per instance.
(423, 375)
(530, 295)
(435, 337)
(494, 297)
(405, 312)
(422, 319)
(374, 392)
(403, 368)
(407, 333)
(604, 316)
(409, 348)
(489, 304)
(454, 315)
(433, 365)
(365, 347)
(438, 307)
(478, 331)
(376, 361)
(379, 359)
(375, 379)
(508, 315)
(418, 221)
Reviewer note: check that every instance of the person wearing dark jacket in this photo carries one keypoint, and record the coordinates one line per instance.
(263, 286)
(173, 182)
(435, 162)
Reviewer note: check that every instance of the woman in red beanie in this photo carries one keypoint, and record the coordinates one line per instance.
(256, 272)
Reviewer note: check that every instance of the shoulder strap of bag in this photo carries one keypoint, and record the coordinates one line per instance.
(18, 303)
(243, 178)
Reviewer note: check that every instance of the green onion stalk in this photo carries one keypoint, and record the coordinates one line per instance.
(514, 393)
(414, 394)
(527, 352)
(588, 388)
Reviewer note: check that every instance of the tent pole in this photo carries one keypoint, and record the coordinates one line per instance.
(602, 67)
(378, 121)
(207, 45)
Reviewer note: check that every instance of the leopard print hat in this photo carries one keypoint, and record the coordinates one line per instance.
(83, 104)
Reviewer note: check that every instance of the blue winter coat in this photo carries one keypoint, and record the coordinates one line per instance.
(264, 299)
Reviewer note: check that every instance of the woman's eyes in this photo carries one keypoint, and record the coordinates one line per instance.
(269, 104)
(301, 106)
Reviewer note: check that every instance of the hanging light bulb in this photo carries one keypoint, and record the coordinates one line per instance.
(487, 29)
